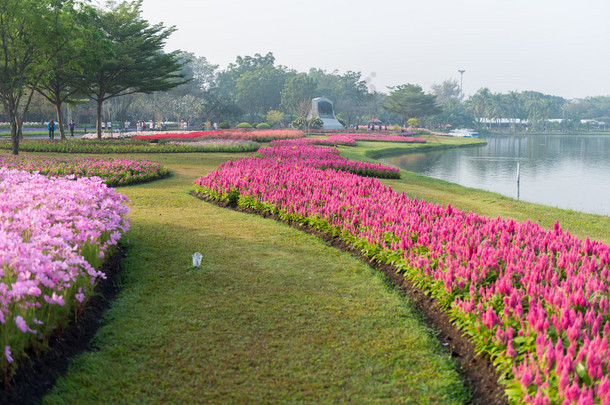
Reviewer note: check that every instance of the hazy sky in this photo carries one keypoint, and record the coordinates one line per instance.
(558, 47)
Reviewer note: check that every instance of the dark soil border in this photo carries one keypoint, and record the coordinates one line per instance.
(38, 374)
(478, 371)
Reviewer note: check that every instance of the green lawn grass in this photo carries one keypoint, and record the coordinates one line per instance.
(273, 315)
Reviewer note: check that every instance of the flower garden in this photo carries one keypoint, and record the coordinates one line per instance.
(114, 172)
(129, 146)
(536, 301)
(258, 135)
(55, 233)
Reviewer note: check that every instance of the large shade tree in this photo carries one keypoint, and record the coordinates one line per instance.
(410, 101)
(134, 61)
(32, 32)
(61, 83)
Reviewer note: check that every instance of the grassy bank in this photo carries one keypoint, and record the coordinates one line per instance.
(273, 315)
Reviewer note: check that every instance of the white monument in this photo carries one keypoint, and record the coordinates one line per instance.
(323, 108)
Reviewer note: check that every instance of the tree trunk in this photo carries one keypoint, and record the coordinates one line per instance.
(60, 122)
(98, 120)
(14, 136)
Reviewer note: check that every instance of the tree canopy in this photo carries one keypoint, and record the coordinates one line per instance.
(134, 61)
(410, 101)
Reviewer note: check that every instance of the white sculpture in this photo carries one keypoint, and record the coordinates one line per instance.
(323, 108)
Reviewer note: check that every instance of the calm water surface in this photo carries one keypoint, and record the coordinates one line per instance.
(565, 171)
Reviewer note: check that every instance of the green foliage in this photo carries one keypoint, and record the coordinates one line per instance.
(410, 101)
(299, 123)
(316, 123)
(297, 89)
(413, 122)
(395, 127)
(259, 90)
(274, 117)
(224, 125)
(244, 125)
(342, 121)
(263, 125)
(135, 61)
(33, 33)
(305, 124)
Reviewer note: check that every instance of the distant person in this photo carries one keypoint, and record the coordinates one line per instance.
(109, 126)
(51, 127)
(72, 124)
(103, 126)
(215, 126)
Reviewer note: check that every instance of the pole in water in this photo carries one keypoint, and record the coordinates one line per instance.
(518, 178)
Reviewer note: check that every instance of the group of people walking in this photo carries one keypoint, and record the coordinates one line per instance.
(52, 127)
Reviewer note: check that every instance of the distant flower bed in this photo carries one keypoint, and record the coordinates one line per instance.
(218, 145)
(54, 234)
(106, 146)
(322, 157)
(336, 140)
(114, 172)
(348, 139)
(264, 135)
(384, 138)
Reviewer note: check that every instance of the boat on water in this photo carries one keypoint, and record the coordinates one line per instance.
(464, 133)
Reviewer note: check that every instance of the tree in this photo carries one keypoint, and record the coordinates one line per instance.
(479, 104)
(32, 32)
(135, 62)
(297, 88)
(259, 90)
(61, 83)
(446, 91)
(274, 117)
(410, 101)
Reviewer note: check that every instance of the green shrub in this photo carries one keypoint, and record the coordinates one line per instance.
(243, 125)
(299, 123)
(263, 125)
(395, 127)
(224, 125)
(316, 123)
(342, 121)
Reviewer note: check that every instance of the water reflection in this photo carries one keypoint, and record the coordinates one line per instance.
(568, 171)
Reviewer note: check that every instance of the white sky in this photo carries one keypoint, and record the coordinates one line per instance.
(558, 47)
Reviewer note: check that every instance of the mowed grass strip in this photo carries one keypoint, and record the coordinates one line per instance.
(273, 315)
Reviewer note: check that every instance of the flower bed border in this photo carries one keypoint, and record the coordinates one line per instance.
(37, 376)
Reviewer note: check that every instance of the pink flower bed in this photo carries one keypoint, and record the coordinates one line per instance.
(383, 138)
(115, 172)
(252, 135)
(54, 233)
(336, 140)
(536, 301)
(323, 157)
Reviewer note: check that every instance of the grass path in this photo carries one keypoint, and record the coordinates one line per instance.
(273, 315)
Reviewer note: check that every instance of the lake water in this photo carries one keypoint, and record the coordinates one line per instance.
(565, 171)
